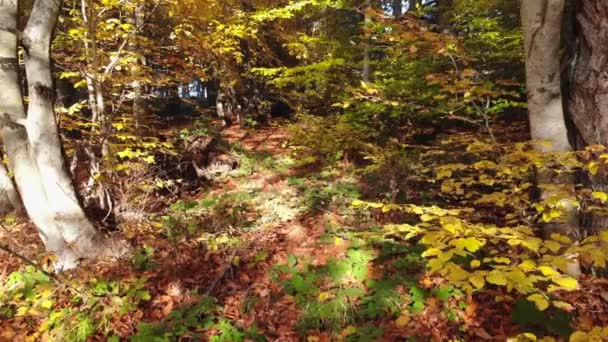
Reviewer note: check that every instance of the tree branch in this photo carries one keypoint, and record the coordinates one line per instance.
(6, 120)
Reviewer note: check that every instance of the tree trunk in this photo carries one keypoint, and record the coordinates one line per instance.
(588, 90)
(412, 4)
(16, 145)
(140, 112)
(588, 103)
(366, 69)
(33, 145)
(541, 21)
(397, 8)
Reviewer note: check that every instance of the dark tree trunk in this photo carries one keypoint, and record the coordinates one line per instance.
(588, 92)
(588, 103)
(397, 8)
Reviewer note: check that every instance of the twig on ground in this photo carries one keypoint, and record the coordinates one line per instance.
(227, 267)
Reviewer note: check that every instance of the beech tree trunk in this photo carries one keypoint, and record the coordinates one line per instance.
(542, 24)
(541, 21)
(32, 143)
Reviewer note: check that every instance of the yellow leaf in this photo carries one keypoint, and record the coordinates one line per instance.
(435, 265)
(580, 336)
(477, 280)
(457, 273)
(470, 244)
(563, 305)
(594, 168)
(561, 238)
(567, 283)
(547, 271)
(497, 278)
(357, 203)
(427, 217)
(47, 304)
(443, 173)
(402, 321)
(502, 260)
(323, 296)
(553, 246)
(541, 302)
(527, 265)
(602, 196)
(349, 330)
(475, 263)
(338, 241)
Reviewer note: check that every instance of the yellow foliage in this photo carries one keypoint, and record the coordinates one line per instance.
(539, 300)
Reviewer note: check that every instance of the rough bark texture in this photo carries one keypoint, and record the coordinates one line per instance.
(397, 8)
(588, 90)
(588, 103)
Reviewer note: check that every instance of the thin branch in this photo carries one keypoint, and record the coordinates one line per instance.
(227, 267)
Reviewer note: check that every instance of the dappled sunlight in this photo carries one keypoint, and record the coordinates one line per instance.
(306, 170)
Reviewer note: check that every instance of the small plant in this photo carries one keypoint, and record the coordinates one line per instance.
(202, 319)
(142, 260)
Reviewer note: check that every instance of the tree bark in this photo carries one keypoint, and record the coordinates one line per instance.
(32, 143)
(588, 102)
(140, 112)
(42, 129)
(366, 71)
(397, 8)
(588, 90)
(412, 4)
(542, 23)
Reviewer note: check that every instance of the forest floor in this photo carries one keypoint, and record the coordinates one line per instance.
(272, 251)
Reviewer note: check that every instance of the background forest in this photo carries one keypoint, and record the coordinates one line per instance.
(306, 170)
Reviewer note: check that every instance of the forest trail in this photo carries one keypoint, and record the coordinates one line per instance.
(273, 251)
(235, 275)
